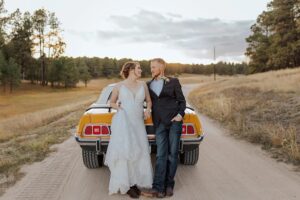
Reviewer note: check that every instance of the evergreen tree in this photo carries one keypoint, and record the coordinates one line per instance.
(3, 71)
(13, 74)
(275, 39)
(20, 45)
(84, 74)
(70, 73)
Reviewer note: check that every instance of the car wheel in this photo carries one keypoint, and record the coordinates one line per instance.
(91, 159)
(190, 157)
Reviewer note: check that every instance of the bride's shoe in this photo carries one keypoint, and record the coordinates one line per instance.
(133, 193)
(137, 190)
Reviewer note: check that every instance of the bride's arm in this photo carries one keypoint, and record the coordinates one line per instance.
(114, 98)
(148, 100)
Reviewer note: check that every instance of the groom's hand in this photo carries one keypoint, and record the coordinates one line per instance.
(177, 118)
(147, 114)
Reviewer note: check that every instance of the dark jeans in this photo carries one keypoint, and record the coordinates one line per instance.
(167, 141)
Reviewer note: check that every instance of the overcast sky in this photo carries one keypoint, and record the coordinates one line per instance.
(178, 30)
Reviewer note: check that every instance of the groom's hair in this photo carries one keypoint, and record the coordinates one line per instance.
(159, 60)
(127, 67)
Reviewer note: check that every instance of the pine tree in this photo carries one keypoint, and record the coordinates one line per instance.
(70, 74)
(84, 74)
(275, 39)
(3, 71)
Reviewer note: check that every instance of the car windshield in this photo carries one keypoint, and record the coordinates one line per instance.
(104, 96)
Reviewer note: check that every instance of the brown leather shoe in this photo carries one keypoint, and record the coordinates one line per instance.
(169, 192)
(149, 192)
(132, 193)
(161, 195)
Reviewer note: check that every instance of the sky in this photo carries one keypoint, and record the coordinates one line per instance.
(183, 31)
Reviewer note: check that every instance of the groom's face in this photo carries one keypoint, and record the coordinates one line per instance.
(156, 68)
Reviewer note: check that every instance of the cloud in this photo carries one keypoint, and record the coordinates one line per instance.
(193, 37)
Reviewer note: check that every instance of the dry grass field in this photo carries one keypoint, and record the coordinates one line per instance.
(195, 78)
(263, 108)
(33, 105)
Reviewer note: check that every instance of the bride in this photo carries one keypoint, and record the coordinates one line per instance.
(128, 154)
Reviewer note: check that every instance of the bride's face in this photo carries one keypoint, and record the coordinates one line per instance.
(138, 71)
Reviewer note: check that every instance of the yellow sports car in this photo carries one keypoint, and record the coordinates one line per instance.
(93, 132)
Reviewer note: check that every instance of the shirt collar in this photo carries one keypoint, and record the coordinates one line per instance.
(159, 78)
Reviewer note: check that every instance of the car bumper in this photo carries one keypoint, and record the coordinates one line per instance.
(100, 143)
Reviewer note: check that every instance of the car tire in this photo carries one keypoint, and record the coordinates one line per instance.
(91, 159)
(189, 157)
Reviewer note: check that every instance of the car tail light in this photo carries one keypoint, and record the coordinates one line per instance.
(88, 130)
(105, 130)
(183, 129)
(97, 130)
(190, 129)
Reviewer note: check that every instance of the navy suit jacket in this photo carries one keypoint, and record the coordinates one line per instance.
(169, 103)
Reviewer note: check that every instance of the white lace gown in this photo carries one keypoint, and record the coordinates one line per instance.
(128, 153)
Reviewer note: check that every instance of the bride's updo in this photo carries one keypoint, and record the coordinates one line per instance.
(127, 67)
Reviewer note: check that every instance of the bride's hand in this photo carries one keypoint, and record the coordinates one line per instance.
(147, 114)
(115, 106)
(119, 106)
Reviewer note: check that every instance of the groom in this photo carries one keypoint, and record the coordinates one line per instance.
(168, 105)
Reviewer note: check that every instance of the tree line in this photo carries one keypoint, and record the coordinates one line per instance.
(275, 39)
(110, 67)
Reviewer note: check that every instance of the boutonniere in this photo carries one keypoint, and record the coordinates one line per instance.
(166, 79)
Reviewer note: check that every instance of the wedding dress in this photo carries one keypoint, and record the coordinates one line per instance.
(128, 153)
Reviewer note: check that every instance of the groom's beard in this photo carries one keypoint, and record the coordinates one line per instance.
(156, 76)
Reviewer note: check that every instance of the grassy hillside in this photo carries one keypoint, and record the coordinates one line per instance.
(263, 108)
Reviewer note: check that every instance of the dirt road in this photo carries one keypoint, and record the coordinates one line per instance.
(227, 169)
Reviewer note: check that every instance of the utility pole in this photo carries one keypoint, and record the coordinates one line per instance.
(215, 63)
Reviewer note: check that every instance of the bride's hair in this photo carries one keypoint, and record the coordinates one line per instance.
(127, 67)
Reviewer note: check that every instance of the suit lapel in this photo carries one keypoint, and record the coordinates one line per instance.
(149, 84)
